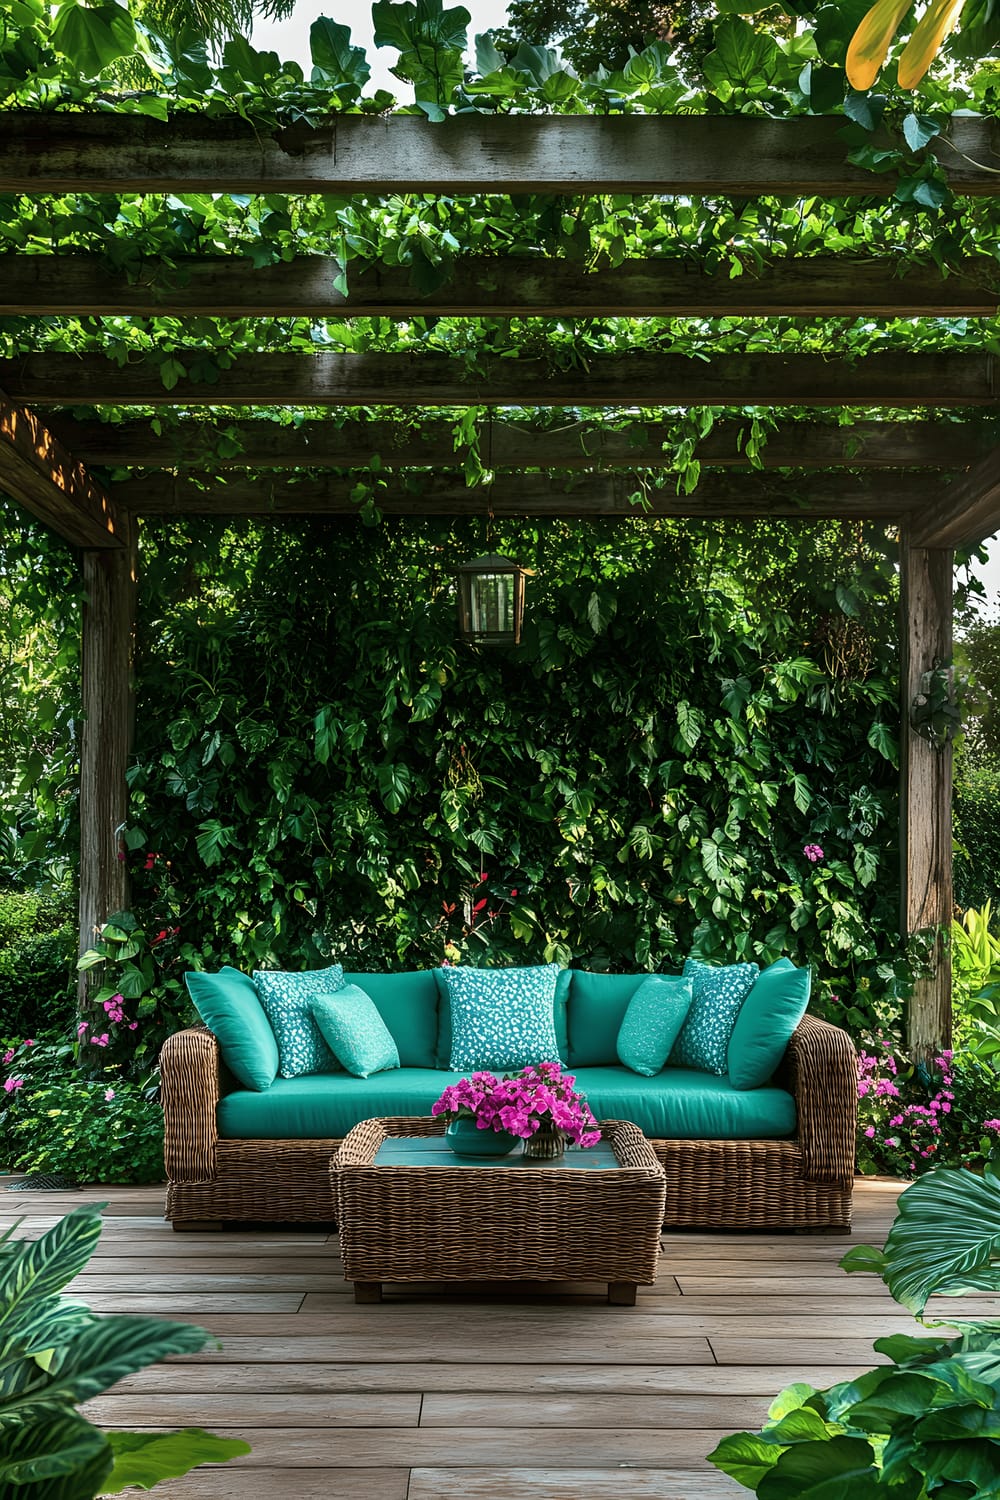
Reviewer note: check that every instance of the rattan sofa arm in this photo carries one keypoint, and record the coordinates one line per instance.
(824, 1080)
(190, 1089)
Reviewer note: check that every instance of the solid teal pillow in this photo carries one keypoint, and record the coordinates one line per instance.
(286, 999)
(559, 1016)
(228, 1004)
(652, 1023)
(764, 1026)
(408, 1004)
(718, 995)
(355, 1032)
(597, 1006)
(501, 1018)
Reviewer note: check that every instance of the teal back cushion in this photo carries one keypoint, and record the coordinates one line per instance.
(559, 1016)
(408, 1004)
(355, 1032)
(718, 995)
(764, 1026)
(287, 1000)
(652, 1022)
(597, 1006)
(501, 1019)
(228, 1004)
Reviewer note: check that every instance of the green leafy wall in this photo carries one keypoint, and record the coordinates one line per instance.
(323, 770)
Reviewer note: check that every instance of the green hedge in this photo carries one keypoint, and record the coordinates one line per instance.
(38, 947)
(976, 831)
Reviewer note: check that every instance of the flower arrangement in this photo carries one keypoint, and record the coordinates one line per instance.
(540, 1097)
(913, 1116)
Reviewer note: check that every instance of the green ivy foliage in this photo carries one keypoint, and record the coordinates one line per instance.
(322, 769)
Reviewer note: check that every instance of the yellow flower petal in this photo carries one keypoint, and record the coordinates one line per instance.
(871, 42)
(920, 51)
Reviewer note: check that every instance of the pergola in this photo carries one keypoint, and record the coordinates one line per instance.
(937, 481)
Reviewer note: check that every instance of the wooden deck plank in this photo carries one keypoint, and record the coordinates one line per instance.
(623, 1483)
(730, 1350)
(333, 1377)
(334, 1483)
(507, 1409)
(446, 1344)
(237, 1408)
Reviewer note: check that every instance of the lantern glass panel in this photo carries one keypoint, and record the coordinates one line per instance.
(492, 604)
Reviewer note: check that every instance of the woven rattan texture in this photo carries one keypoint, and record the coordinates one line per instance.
(496, 1223)
(800, 1184)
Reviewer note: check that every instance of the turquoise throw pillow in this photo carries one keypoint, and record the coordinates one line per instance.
(597, 1006)
(655, 1015)
(764, 1026)
(287, 999)
(227, 1003)
(716, 1000)
(560, 1017)
(501, 1018)
(355, 1032)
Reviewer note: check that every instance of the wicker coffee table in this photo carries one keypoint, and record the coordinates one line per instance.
(410, 1210)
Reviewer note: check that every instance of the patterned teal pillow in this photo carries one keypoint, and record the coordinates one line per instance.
(286, 999)
(355, 1032)
(717, 995)
(501, 1018)
(652, 1023)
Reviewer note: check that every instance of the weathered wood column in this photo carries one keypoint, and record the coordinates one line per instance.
(108, 629)
(925, 810)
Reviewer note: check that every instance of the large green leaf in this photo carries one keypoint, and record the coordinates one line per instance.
(147, 1458)
(745, 1457)
(840, 1468)
(93, 37)
(335, 61)
(61, 1458)
(45, 1266)
(100, 1356)
(945, 1239)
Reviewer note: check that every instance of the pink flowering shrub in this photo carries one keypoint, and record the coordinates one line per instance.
(522, 1103)
(912, 1117)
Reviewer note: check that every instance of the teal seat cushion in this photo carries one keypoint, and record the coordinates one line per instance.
(501, 1019)
(687, 1105)
(652, 1022)
(229, 1006)
(322, 1105)
(718, 994)
(408, 1004)
(355, 1032)
(287, 999)
(442, 1055)
(768, 1017)
(597, 1006)
(676, 1105)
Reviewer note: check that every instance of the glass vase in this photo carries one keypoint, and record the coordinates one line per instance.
(546, 1144)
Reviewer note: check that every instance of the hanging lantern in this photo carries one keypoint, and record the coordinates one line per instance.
(491, 601)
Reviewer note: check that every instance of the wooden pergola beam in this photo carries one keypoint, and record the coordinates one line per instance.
(45, 152)
(904, 380)
(884, 497)
(37, 471)
(966, 512)
(230, 286)
(193, 444)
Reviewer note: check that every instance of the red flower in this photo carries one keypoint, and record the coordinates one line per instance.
(479, 905)
(513, 893)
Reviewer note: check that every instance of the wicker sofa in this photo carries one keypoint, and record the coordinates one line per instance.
(796, 1174)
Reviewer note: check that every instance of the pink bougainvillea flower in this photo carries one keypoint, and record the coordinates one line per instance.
(813, 853)
(132, 1025)
(10, 1084)
(83, 1027)
(109, 1094)
(29, 1041)
(100, 1041)
(991, 1125)
(8, 1056)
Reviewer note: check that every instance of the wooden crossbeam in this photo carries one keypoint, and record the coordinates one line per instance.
(230, 286)
(885, 497)
(284, 379)
(965, 513)
(46, 152)
(506, 445)
(38, 472)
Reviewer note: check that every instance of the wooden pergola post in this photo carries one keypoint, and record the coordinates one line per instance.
(108, 629)
(925, 803)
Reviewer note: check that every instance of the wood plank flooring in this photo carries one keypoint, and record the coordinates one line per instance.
(517, 1393)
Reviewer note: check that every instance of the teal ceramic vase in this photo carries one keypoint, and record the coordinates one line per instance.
(466, 1139)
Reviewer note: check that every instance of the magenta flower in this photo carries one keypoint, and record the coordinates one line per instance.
(29, 1041)
(8, 1056)
(100, 1041)
(10, 1084)
(991, 1125)
(539, 1096)
(813, 853)
(109, 1094)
